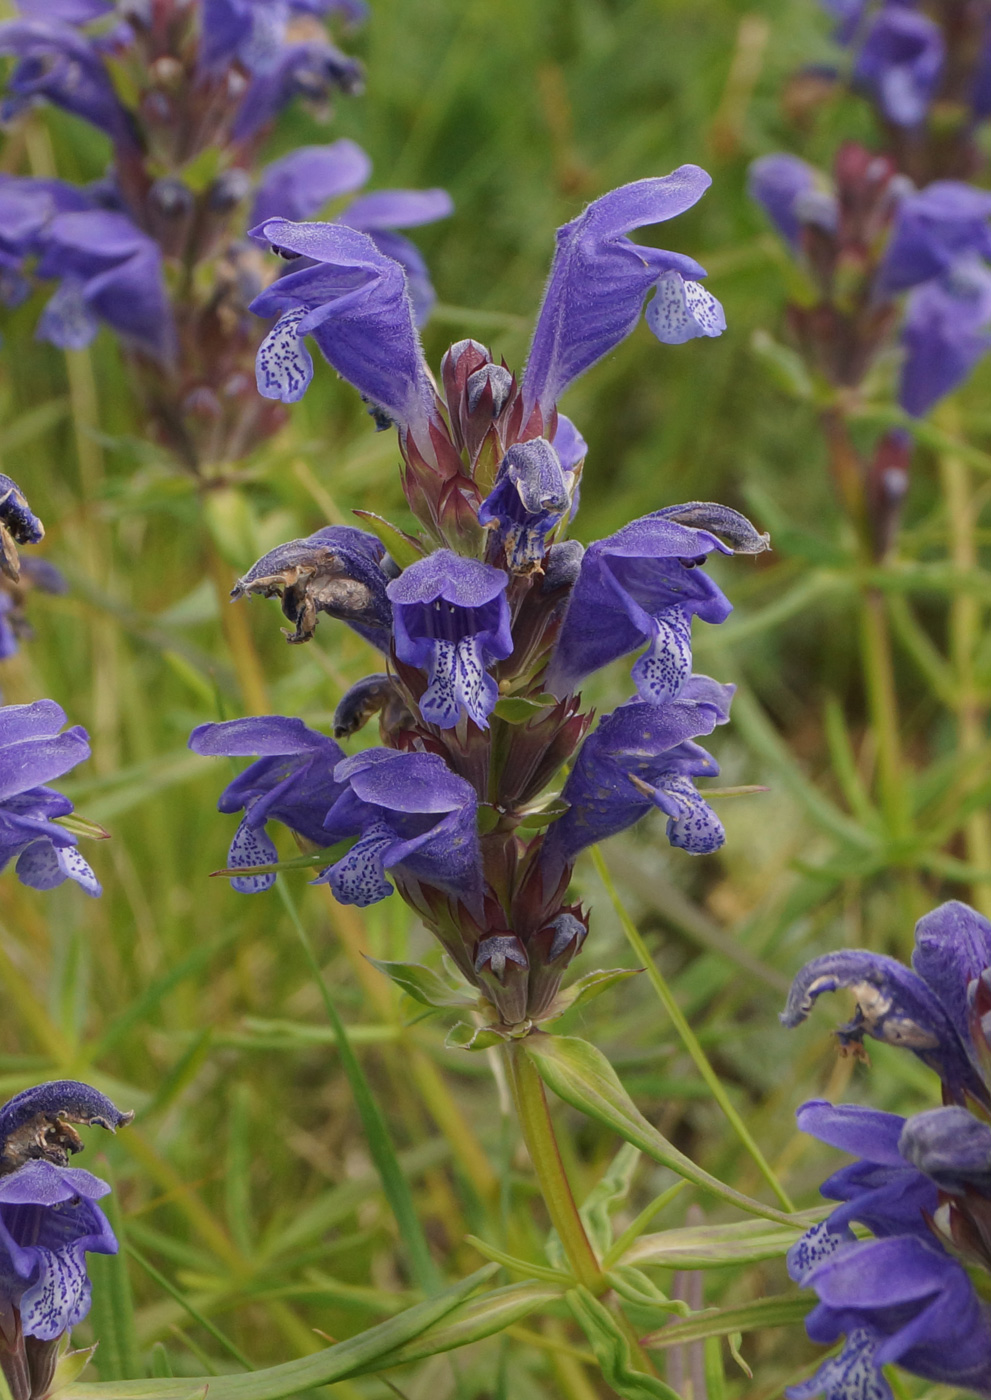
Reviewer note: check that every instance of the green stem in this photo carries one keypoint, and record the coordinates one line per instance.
(688, 1038)
(541, 1143)
(882, 702)
(965, 628)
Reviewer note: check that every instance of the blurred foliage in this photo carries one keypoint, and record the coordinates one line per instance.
(247, 1183)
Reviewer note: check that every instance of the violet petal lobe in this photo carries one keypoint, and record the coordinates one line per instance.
(299, 184)
(900, 63)
(952, 1147)
(356, 305)
(935, 227)
(945, 334)
(777, 182)
(531, 494)
(599, 279)
(952, 949)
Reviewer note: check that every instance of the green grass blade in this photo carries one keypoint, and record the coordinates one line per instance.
(394, 1183)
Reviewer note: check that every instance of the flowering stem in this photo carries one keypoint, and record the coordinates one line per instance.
(541, 1143)
(964, 635)
(688, 1037)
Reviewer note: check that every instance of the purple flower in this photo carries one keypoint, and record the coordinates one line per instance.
(778, 183)
(451, 620)
(883, 1191)
(902, 1299)
(645, 584)
(32, 752)
(109, 270)
(599, 280)
(338, 571)
(900, 63)
(640, 757)
(293, 783)
(944, 335)
(934, 228)
(57, 64)
(412, 816)
(253, 32)
(354, 301)
(925, 1010)
(48, 1223)
(297, 186)
(531, 494)
(27, 207)
(312, 69)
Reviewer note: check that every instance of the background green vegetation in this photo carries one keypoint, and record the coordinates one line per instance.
(247, 1180)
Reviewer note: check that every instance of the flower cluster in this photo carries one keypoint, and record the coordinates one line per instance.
(863, 244)
(156, 250)
(916, 1293)
(49, 1222)
(490, 619)
(927, 72)
(32, 753)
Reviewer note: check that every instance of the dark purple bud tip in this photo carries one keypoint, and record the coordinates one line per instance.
(731, 527)
(568, 936)
(37, 1124)
(286, 254)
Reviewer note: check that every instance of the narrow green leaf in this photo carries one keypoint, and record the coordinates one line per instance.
(424, 985)
(161, 1366)
(112, 1312)
(520, 1266)
(582, 1076)
(612, 1350)
(81, 826)
(779, 1311)
(394, 1183)
(716, 1246)
(197, 1316)
(606, 1196)
(361, 1353)
(592, 985)
(403, 548)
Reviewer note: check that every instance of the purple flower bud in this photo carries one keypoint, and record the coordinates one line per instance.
(451, 620)
(934, 228)
(777, 182)
(531, 494)
(56, 63)
(945, 334)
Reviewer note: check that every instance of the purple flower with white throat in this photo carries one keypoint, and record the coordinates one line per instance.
(32, 753)
(354, 301)
(645, 584)
(599, 280)
(638, 758)
(411, 816)
(921, 1184)
(451, 620)
(293, 783)
(49, 1221)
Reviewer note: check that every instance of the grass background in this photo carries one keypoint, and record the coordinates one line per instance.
(246, 1181)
